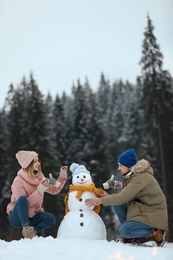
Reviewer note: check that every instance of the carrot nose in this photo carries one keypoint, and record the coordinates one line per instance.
(82, 180)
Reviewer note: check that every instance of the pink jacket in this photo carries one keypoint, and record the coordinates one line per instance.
(23, 186)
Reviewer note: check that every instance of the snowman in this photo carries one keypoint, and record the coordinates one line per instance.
(80, 220)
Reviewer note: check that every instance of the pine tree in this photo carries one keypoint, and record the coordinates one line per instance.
(157, 100)
(119, 112)
(51, 124)
(59, 129)
(12, 142)
(4, 187)
(103, 98)
(14, 107)
(85, 134)
(133, 121)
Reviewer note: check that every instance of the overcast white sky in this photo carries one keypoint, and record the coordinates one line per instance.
(63, 40)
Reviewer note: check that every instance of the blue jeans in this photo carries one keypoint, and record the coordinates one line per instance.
(19, 217)
(131, 229)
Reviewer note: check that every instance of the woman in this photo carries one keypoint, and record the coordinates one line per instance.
(25, 209)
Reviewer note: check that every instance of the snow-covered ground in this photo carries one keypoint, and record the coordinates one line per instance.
(80, 249)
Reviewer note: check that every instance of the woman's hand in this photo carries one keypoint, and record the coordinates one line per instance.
(93, 202)
(41, 188)
(53, 181)
(63, 172)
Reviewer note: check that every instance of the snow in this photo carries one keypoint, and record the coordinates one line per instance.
(89, 226)
(77, 249)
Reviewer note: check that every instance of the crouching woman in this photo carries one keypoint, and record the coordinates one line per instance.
(25, 208)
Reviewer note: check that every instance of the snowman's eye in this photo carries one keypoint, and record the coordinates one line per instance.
(78, 177)
(84, 176)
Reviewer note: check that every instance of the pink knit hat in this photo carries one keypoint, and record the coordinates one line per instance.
(25, 158)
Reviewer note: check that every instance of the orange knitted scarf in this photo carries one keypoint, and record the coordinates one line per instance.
(81, 189)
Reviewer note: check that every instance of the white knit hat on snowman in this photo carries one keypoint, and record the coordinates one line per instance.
(75, 168)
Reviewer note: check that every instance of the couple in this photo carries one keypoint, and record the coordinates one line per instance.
(140, 206)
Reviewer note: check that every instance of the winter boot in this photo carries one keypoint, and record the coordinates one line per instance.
(127, 240)
(159, 236)
(29, 232)
(134, 241)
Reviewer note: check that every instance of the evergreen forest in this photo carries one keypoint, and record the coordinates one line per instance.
(91, 128)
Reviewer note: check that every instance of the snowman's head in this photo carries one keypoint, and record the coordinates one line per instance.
(80, 175)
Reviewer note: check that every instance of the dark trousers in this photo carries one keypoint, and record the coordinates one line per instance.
(19, 217)
(131, 229)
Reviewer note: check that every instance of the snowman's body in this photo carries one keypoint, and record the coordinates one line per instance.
(81, 221)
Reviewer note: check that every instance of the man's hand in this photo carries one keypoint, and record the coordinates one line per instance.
(102, 194)
(93, 202)
(111, 183)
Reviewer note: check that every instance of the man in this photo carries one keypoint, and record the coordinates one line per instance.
(141, 205)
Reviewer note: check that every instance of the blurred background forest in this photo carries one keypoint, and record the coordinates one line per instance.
(91, 128)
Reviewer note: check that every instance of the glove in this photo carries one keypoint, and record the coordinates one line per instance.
(53, 181)
(42, 188)
(63, 172)
(111, 183)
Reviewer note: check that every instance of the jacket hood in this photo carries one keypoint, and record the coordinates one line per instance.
(142, 166)
(23, 174)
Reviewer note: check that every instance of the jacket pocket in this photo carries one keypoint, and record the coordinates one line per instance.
(135, 208)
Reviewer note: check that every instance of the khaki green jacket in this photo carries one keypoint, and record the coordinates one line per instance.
(144, 197)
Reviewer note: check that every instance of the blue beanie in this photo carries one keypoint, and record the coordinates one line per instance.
(128, 158)
(75, 168)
